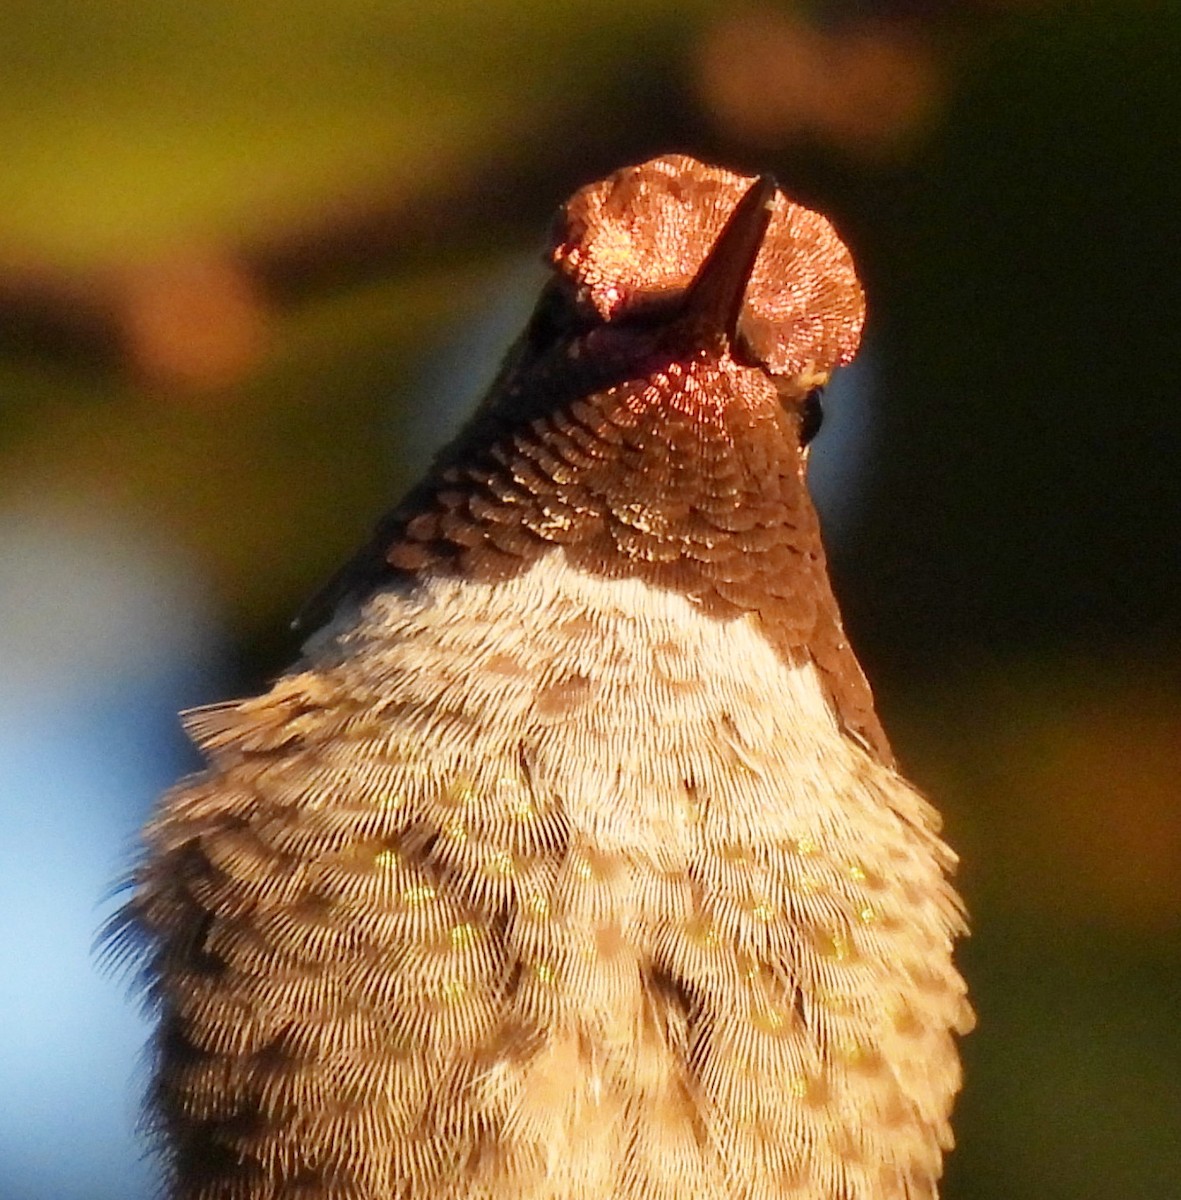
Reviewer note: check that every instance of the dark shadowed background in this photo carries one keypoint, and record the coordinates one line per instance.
(257, 257)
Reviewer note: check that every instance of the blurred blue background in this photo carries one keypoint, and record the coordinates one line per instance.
(256, 259)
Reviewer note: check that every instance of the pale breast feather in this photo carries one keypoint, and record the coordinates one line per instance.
(551, 887)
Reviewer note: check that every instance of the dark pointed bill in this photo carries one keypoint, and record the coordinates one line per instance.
(713, 301)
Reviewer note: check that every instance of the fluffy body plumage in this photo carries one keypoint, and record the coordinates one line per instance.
(570, 864)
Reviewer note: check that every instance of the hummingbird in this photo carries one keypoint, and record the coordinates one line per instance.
(571, 861)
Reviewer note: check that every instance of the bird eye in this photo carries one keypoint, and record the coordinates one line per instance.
(556, 317)
(811, 415)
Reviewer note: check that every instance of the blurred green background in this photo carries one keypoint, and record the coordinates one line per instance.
(255, 256)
